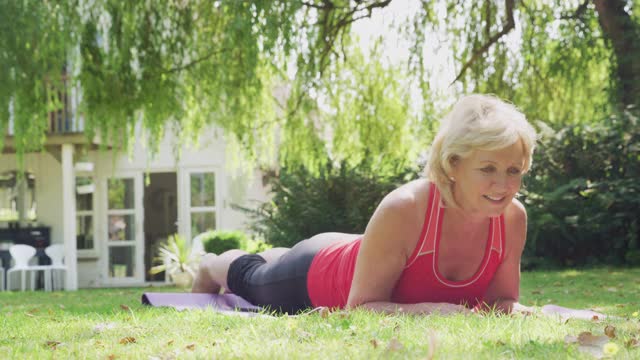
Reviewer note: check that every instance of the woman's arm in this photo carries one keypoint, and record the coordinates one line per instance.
(388, 241)
(504, 290)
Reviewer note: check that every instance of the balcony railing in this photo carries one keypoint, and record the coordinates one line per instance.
(64, 120)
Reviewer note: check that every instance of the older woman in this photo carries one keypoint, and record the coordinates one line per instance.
(449, 242)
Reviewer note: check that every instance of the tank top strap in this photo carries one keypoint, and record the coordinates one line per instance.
(498, 235)
(426, 242)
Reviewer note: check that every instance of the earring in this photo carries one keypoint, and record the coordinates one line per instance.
(452, 179)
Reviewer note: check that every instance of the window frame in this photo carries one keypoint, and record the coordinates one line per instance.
(93, 252)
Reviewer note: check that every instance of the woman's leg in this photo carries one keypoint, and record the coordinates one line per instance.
(275, 279)
(213, 270)
(212, 273)
(273, 254)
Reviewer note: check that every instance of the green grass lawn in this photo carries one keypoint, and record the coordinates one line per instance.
(111, 324)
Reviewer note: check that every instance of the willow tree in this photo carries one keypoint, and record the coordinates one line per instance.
(187, 63)
(562, 61)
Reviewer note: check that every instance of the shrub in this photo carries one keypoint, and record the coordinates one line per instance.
(339, 198)
(583, 195)
(219, 241)
(256, 246)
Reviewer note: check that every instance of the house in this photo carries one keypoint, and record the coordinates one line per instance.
(111, 212)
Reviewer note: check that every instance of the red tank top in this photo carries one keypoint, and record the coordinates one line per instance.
(331, 271)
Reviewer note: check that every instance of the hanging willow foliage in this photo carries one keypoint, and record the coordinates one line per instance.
(182, 63)
(287, 73)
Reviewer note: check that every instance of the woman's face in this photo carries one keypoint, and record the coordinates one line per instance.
(486, 181)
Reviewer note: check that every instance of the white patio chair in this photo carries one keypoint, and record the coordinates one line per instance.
(56, 253)
(21, 255)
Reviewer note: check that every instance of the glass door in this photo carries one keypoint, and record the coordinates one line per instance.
(124, 230)
(200, 211)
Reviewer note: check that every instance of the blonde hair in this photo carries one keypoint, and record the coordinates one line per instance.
(476, 122)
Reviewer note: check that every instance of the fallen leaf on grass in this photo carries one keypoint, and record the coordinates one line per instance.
(610, 331)
(127, 340)
(190, 347)
(612, 289)
(169, 343)
(587, 338)
(595, 318)
(125, 307)
(111, 357)
(374, 343)
(537, 292)
(53, 344)
(590, 344)
(395, 345)
(632, 343)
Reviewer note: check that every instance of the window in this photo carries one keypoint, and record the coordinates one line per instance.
(121, 227)
(17, 196)
(85, 190)
(203, 202)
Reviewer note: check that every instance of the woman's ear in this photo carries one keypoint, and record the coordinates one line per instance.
(454, 160)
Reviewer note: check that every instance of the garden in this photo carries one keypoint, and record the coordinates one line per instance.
(334, 104)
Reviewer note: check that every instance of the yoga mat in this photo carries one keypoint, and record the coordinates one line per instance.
(566, 313)
(234, 304)
(181, 301)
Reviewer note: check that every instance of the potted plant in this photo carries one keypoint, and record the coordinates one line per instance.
(177, 260)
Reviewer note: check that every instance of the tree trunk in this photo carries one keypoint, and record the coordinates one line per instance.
(624, 35)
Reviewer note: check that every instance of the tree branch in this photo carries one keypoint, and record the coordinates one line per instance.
(327, 5)
(192, 63)
(333, 31)
(509, 4)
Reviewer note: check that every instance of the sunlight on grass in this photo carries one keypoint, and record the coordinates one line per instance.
(111, 323)
(570, 273)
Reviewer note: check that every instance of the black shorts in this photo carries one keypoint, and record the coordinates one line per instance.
(280, 285)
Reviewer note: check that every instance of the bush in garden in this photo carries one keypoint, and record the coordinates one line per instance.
(339, 198)
(256, 246)
(583, 195)
(219, 241)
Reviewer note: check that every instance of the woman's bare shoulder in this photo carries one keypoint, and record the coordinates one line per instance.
(407, 203)
(515, 217)
(516, 212)
(408, 195)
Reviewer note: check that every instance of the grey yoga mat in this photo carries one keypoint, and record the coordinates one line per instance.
(180, 301)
